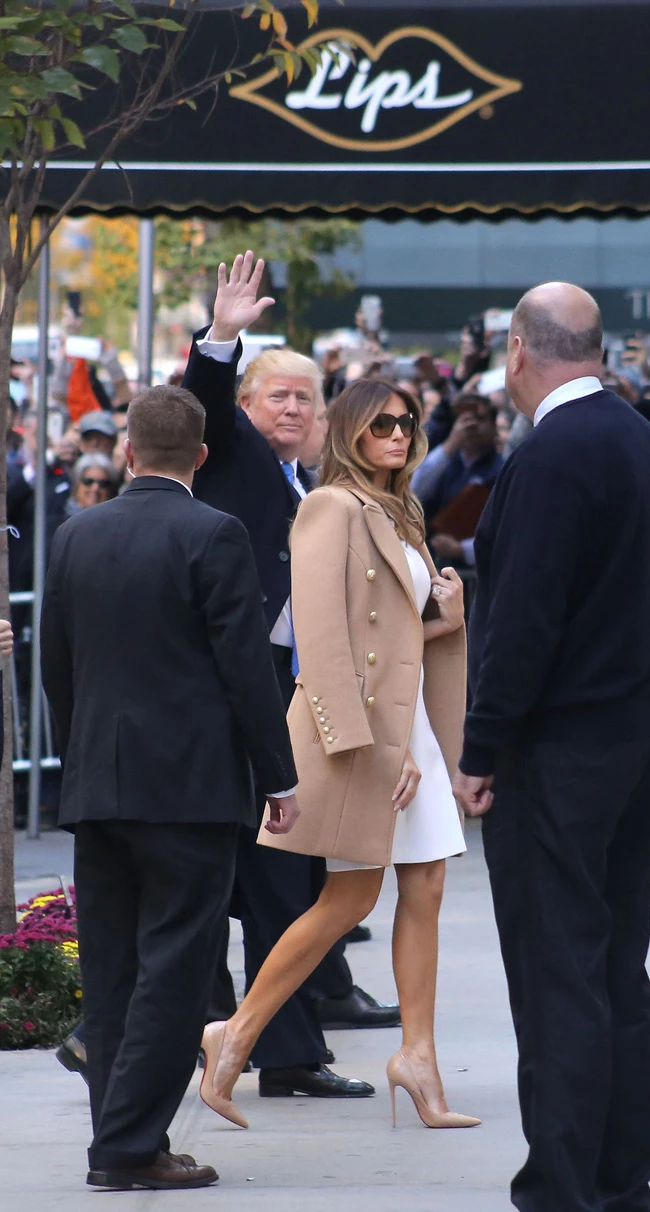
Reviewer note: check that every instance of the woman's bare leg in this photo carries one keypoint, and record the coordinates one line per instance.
(348, 897)
(415, 963)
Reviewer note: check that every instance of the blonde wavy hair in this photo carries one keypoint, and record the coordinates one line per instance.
(279, 362)
(343, 463)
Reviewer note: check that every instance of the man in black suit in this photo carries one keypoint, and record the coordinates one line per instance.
(253, 472)
(157, 665)
(559, 735)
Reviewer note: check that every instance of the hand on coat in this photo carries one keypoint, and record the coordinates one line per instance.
(408, 784)
(450, 604)
(473, 793)
(236, 305)
(284, 814)
(6, 638)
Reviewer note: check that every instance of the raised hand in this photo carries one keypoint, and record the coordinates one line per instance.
(236, 305)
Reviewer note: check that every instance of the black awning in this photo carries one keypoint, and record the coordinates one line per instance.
(454, 108)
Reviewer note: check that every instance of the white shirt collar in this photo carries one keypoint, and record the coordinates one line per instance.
(181, 482)
(575, 389)
(161, 476)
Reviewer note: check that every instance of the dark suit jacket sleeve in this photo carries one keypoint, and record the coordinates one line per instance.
(56, 657)
(231, 600)
(213, 384)
(542, 524)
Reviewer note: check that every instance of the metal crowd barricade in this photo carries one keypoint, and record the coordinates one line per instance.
(49, 760)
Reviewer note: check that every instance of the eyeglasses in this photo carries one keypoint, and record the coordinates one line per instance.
(383, 426)
(88, 482)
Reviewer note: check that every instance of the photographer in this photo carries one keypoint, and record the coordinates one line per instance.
(474, 352)
(469, 458)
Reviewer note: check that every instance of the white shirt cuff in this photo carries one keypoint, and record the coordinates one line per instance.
(468, 551)
(221, 351)
(282, 795)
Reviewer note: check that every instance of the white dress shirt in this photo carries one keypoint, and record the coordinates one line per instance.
(221, 351)
(575, 389)
(282, 632)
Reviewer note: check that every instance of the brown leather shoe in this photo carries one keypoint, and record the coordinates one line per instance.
(169, 1172)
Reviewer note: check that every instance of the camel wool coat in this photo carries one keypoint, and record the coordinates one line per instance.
(360, 644)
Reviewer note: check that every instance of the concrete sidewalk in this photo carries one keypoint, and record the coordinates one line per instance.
(305, 1155)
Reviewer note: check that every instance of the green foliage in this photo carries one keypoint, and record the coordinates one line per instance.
(44, 53)
(46, 50)
(39, 995)
(188, 255)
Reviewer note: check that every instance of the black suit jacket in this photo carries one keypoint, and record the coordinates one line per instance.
(242, 475)
(156, 661)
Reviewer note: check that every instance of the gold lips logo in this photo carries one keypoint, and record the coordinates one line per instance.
(349, 88)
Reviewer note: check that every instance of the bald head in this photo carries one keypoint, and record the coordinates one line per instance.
(559, 323)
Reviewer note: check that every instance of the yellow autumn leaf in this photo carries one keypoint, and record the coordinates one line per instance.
(289, 67)
(312, 11)
(279, 24)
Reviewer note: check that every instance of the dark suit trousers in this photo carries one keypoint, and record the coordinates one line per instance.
(567, 844)
(151, 901)
(272, 889)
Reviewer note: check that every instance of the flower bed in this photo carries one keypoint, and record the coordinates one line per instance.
(40, 984)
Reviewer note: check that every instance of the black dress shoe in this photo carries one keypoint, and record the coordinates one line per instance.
(356, 1010)
(319, 1082)
(72, 1055)
(169, 1172)
(358, 934)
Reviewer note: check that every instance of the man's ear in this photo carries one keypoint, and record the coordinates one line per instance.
(518, 356)
(245, 403)
(201, 457)
(128, 454)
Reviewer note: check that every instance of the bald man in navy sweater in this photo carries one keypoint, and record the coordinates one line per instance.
(557, 754)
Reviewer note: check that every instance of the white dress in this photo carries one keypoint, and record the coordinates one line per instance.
(430, 827)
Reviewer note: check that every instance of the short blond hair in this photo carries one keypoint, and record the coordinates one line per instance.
(280, 362)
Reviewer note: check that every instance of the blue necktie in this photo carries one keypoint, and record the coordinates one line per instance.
(295, 667)
(289, 473)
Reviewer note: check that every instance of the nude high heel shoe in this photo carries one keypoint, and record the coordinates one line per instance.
(400, 1073)
(212, 1044)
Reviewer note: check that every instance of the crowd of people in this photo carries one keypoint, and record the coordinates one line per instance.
(470, 424)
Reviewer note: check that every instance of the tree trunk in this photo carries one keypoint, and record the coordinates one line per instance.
(7, 893)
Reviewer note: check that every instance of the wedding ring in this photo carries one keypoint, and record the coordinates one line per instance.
(437, 590)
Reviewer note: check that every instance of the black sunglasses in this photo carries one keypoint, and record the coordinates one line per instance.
(383, 426)
(88, 482)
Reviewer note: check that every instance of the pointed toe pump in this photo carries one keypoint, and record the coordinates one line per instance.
(400, 1073)
(212, 1044)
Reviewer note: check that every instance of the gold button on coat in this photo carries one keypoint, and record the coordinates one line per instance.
(370, 702)
(319, 711)
(372, 659)
(372, 616)
(314, 700)
(325, 728)
(371, 574)
(330, 740)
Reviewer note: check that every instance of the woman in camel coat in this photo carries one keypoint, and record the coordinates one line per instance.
(360, 643)
(376, 726)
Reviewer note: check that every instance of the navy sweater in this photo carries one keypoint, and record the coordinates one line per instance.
(560, 628)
